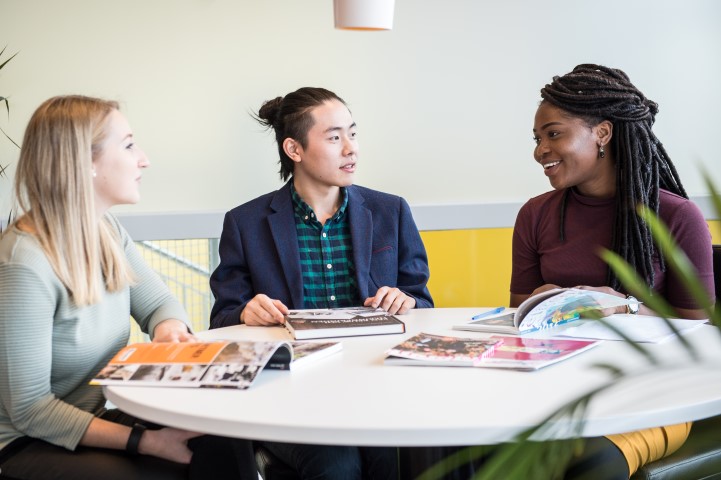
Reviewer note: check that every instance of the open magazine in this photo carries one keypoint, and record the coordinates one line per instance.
(228, 364)
(523, 353)
(545, 310)
(437, 350)
(516, 353)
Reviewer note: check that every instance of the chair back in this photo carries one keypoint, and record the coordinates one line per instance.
(717, 274)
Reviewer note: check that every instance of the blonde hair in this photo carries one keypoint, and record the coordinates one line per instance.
(54, 188)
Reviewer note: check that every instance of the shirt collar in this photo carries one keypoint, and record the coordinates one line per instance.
(306, 213)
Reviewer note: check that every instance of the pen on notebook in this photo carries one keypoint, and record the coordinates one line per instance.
(488, 313)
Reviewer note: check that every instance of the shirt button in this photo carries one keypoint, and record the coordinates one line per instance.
(329, 266)
(332, 297)
(312, 215)
(325, 234)
(306, 217)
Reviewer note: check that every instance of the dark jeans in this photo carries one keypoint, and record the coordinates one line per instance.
(213, 457)
(321, 462)
(414, 461)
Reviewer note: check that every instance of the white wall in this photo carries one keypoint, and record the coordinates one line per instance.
(444, 101)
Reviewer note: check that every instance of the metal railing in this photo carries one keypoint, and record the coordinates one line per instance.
(185, 266)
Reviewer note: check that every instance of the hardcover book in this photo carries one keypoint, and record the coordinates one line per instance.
(341, 322)
(437, 350)
(544, 310)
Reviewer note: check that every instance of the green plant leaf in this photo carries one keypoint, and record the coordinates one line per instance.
(527, 459)
(677, 261)
(13, 142)
(715, 196)
(6, 61)
(596, 315)
(635, 285)
(638, 288)
(7, 108)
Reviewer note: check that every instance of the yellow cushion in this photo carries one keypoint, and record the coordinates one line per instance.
(645, 446)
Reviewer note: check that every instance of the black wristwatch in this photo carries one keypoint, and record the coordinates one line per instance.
(632, 308)
(134, 439)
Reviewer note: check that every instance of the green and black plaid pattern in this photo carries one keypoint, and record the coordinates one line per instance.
(326, 256)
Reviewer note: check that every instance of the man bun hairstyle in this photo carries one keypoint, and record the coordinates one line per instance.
(290, 117)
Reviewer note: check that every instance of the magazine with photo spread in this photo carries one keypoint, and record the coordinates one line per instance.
(523, 353)
(229, 364)
(437, 350)
(341, 322)
(544, 310)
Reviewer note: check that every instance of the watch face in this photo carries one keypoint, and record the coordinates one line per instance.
(633, 306)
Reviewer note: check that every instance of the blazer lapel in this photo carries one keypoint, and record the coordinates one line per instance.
(282, 227)
(361, 228)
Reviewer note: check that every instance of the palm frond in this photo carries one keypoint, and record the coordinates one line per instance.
(677, 261)
(13, 142)
(529, 457)
(7, 104)
(715, 196)
(3, 99)
(638, 288)
(6, 61)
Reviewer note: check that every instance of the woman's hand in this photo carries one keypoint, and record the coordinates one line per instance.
(392, 300)
(172, 330)
(517, 298)
(609, 291)
(263, 310)
(544, 288)
(168, 443)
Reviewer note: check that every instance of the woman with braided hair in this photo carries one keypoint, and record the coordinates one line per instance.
(595, 143)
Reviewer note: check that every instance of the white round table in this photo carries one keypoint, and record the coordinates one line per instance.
(352, 398)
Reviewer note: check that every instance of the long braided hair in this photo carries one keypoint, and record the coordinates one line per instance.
(595, 93)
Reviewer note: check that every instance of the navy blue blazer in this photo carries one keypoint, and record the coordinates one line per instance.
(259, 252)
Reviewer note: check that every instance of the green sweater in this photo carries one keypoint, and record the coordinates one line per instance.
(50, 348)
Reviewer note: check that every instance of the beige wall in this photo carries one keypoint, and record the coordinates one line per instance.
(444, 102)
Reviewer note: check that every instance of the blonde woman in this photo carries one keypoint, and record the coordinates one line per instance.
(70, 278)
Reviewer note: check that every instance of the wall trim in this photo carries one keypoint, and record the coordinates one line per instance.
(209, 224)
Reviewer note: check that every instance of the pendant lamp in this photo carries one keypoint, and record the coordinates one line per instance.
(363, 14)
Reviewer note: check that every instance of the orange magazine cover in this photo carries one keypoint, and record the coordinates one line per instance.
(230, 364)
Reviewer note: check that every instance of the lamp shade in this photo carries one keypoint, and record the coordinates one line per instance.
(363, 14)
